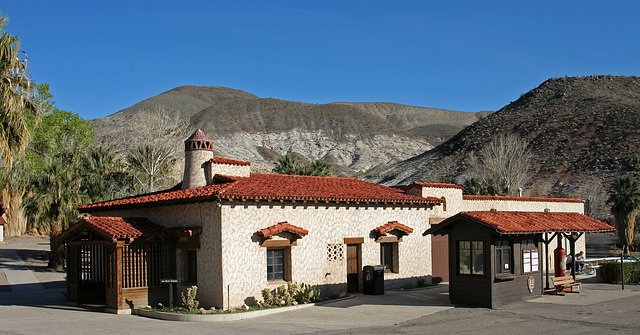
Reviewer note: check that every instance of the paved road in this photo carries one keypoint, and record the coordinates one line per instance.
(599, 309)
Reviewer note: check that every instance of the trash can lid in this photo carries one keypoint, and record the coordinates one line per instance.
(374, 267)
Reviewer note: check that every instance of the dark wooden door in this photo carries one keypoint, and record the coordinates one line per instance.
(353, 257)
(440, 256)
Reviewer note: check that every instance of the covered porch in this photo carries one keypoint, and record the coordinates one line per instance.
(118, 262)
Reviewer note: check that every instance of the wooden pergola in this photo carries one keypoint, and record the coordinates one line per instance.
(118, 262)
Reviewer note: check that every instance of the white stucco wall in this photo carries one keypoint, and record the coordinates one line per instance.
(522, 206)
(227, 170)
(244, 260)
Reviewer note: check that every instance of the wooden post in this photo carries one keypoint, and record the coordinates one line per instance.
(622, 268)
(170, 295)
(171, 282)
(118, 273)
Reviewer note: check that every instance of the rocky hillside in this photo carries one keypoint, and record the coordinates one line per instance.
(351, 137)
(579, 130)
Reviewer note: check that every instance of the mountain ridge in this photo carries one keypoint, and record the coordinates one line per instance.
(352, 137)
(579, 129)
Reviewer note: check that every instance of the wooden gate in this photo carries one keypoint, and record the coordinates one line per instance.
(91, 272)
(440, 256)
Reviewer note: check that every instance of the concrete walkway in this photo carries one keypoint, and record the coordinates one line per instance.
(18, 274)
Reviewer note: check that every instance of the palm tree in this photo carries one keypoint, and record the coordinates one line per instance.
(624, 196)
(151, 166)
(55, 195)
(317, 168)
(287, 164)
(16, 109)
(104, 175)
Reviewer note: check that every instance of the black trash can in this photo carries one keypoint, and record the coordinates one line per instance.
(373, 282)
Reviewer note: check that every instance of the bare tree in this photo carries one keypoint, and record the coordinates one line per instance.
(152, 166)
(595, 197)
(157, 127)
(501, 165)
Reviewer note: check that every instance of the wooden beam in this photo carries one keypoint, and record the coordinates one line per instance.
(353, 240)
(75, 243)
(388, 239)
(189, 244)
(278, 243)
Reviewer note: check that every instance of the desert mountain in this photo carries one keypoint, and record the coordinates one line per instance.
(352, 137)
(579, 130)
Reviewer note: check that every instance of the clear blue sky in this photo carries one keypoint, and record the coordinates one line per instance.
(102, 56)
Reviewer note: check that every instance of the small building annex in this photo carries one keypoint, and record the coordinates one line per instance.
(232, 233)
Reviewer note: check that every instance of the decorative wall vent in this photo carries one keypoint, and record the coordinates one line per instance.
(335, 252)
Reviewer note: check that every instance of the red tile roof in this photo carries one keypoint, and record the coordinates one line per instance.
(436, 185)
(220, 160)
(528, 222)
(391, 226)
(274, 187)
(491, 197)
(280, 227)
(116, 227)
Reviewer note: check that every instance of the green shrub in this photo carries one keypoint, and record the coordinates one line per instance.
(286, 295)
(609, 272)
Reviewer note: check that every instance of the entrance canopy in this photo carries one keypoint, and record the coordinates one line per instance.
(514, 223)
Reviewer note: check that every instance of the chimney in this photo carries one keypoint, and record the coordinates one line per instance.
(198, 150)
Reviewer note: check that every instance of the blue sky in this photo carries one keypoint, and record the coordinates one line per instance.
(103, 56)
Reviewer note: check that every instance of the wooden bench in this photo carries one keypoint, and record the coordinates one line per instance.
(565, 284)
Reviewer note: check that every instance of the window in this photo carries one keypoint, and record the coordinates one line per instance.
(279, 264)
(503, 256)
(471, 257)
(389, 256)
(191, 266)
(275, 264)
(530, 256)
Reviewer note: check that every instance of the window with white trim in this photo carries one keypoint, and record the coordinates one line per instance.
(503, 256)
(530, 256)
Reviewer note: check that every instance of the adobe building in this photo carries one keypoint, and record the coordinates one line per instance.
(232, 233)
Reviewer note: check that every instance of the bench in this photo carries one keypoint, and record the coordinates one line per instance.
(565, 284)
